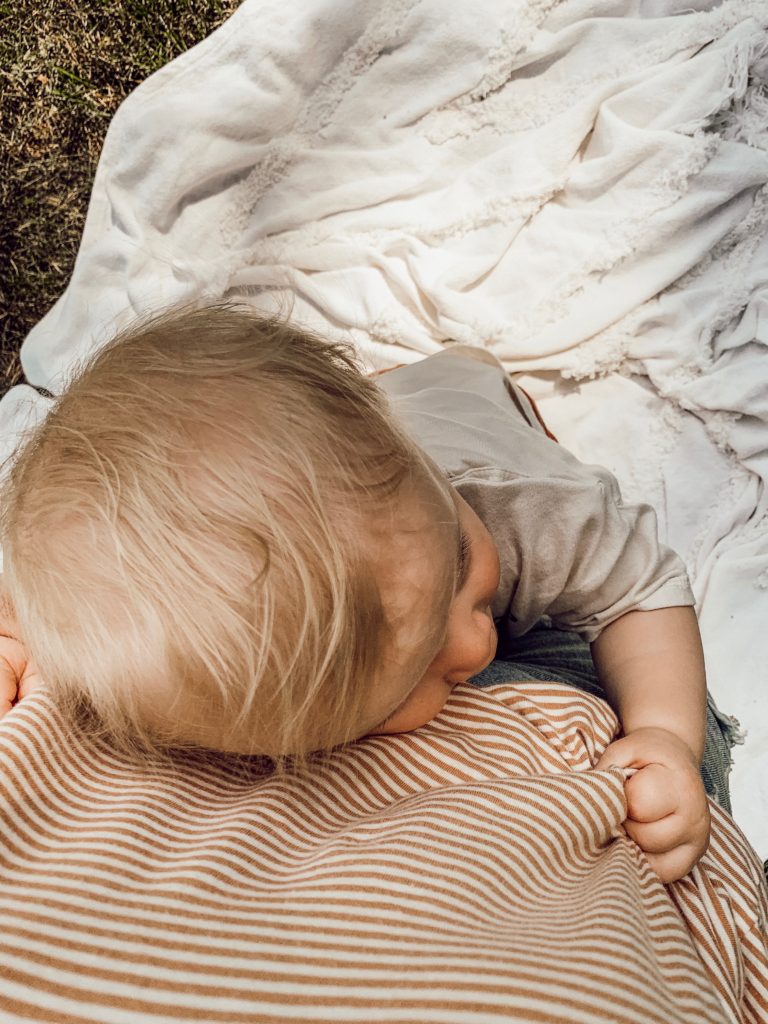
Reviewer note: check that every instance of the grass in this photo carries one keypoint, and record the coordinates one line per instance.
(65, 66)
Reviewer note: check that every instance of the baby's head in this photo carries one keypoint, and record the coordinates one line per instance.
(221, 537)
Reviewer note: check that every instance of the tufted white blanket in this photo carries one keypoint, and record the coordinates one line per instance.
(579, 186)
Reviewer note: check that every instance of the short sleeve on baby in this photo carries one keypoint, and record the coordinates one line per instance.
(568, 545)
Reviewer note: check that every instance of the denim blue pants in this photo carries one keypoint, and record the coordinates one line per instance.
(552, 654)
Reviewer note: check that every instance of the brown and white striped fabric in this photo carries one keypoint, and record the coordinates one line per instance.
(472, 872)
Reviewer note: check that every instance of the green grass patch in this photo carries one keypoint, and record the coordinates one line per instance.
(65, 67)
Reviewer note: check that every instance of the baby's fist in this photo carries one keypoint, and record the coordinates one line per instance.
(667, 806)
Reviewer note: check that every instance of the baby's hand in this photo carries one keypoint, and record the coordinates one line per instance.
(18, 673)
(667, 807)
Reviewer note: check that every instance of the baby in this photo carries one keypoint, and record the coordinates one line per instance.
(225, 535)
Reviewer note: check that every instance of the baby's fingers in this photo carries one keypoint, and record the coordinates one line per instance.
(13, 661)
(657, 836)
(18, 673)
(7, 689)
(30, 681)
(676, 864)
(650, 794)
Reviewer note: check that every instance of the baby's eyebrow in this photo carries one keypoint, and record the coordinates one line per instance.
(463, 558)
(463, 546)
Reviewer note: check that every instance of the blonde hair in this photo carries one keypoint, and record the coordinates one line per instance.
(188, 523)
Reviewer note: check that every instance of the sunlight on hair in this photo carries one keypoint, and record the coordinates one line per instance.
(184, 534)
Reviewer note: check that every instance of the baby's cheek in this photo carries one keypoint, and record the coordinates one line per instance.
(483, 636)
(426, 701)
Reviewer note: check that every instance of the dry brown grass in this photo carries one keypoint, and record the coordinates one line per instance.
(64, 69)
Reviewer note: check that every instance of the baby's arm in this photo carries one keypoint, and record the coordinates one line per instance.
(651, 666)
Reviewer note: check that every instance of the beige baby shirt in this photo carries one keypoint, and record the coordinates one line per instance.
(569, 547)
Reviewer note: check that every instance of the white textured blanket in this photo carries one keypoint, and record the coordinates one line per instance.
(579, 186)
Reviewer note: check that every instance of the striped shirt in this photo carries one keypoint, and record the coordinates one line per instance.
(474, 871)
